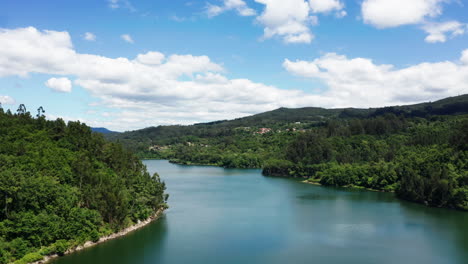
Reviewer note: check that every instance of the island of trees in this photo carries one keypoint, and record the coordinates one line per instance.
(420, 152)
(62, 185)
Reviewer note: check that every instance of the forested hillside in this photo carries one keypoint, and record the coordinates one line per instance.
(418, 151)
(62, 185)
(425, 161)
(280, 119)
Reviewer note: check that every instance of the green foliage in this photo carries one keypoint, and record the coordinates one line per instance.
(419, 151)
(309, 148)
(62, 185)
(370, 121)
(28, 258)
(61, 246)
(423, 161)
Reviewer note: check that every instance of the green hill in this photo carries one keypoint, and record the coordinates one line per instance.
(61, 185)
(420, 152)
(140, 140)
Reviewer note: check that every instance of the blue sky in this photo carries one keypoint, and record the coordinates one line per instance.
(217, 59)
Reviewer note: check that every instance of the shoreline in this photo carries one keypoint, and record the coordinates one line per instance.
(104, 239)
(347, 187)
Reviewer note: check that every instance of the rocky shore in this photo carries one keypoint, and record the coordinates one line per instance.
(121, 233)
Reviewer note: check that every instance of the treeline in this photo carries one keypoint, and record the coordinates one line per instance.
(417, 151)
(62, 185)
(240, 149)
(280, 119)
(422, 160)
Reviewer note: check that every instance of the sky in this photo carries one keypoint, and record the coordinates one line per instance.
(130, 64)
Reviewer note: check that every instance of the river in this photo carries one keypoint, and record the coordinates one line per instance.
(237, 216)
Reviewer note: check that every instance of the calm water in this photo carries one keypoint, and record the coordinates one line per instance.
(238, 216)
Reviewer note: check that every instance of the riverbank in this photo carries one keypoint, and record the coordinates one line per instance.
(269, 174)
(103, 239)
(188, 163)
(283, 174)
(348, 187)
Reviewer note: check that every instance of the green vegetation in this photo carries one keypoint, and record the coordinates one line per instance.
(420, 152)
(421, 160)
(62, 185)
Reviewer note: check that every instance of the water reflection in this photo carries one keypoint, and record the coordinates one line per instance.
(146, 245)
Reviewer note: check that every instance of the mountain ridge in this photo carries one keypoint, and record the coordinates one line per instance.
(446, 106)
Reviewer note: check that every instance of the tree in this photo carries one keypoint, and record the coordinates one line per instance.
(62, 185)
(40, 112)
(21, 109)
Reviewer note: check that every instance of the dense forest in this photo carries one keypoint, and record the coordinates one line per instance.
(280, 119)
(61, 185)
(420, 152)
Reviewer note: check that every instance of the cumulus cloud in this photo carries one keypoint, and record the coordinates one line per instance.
(89, 36)
(291, 20)
(238, 5)
(438, 31)
(325, 6)
(7, 100)
(155, 89)
(394, 13)
(62, 85)
(150, 89)
(151, 58)
(287, 19)
(360, 82)
(127, 38)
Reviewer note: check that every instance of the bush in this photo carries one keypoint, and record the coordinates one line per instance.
(61, 246)
(45, 251)
(19, 247)
(28, 258)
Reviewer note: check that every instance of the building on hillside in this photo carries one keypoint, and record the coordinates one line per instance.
(263, 130)
(157, 148)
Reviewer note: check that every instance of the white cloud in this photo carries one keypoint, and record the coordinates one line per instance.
(301, 68)
(291, 19)
(62, 85)
(464, 57)
(438, 31)
(361, 83)
(153, 88)
(7, 100)
(239, 5)
(18, 55)
(127, 38)
(89, 36)
(394, 13)
(287, 19)
(151, 58)
(325, 6)
(150, 89)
